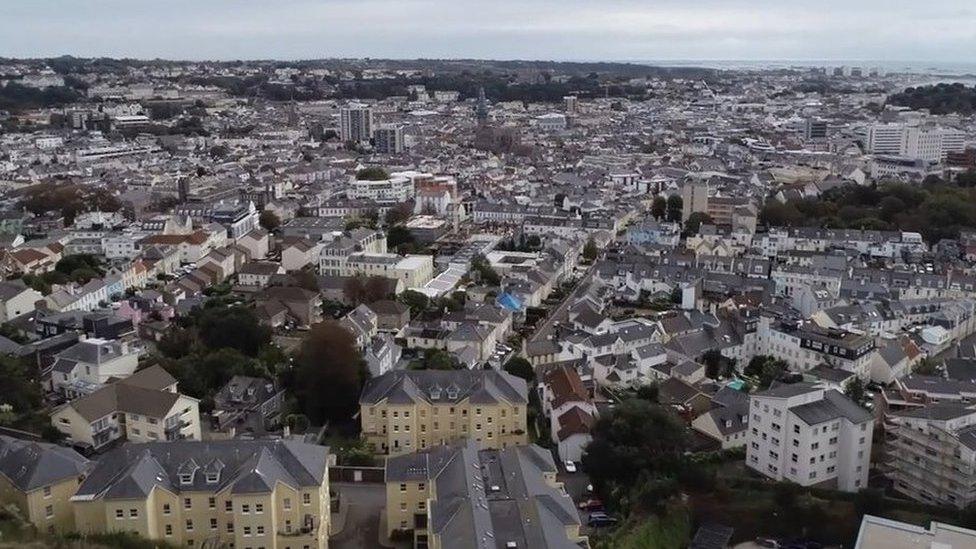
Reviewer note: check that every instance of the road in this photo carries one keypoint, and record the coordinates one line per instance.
(562, 311)
(363, 504)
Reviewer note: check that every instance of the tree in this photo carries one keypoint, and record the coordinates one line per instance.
(398, 214)
(329, 373)
(855, 390)
(766, 368)
(659, 208)
(636, 436)
(372, 174)
(435, 359)
(232, 327)
(520, 367)
(417, 302)
(486, 273)
(398, 235)
(269, 220)
(926, 367)
(675, 205)
(714, 363)
(590, 250)
(695, 221)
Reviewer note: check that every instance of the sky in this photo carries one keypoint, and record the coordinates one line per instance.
(592, 30)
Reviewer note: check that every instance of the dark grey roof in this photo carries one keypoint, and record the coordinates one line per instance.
(247, 466)
(941, 411)
(496, 495)
(409, 386)
(32, 465)
(787, 390)
(833, 406)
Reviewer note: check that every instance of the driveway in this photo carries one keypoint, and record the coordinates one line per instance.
(361, 507)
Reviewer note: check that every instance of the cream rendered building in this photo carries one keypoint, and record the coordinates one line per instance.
(143, 407)
(460, 496)
(408, 410)
(270, 494)
(39, 479)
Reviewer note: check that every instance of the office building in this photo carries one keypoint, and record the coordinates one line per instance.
(811, 436)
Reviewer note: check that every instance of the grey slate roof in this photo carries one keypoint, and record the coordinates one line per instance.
(247, 466)
(833, 406)
(496, 495)
(410, 386)
(32, 465)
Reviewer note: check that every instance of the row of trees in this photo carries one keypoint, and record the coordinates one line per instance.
(937, 209)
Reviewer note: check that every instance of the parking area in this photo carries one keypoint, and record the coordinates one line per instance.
(358, 520)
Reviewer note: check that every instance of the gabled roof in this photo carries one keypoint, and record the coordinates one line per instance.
(30, 465)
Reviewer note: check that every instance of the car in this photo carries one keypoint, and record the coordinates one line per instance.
(592, 504)
(570, 466)
(597, 520)
(768, 542)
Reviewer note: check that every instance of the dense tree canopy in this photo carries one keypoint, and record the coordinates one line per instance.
(939, 99)
(329, 373)
(936, 209)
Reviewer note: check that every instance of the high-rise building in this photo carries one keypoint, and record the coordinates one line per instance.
(815, 129)
(356, 123)
(809, 435)
(930, 144)
(572, 104)
(389, 139)
(481, 110)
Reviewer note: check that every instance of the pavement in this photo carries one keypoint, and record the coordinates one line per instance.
(360, 509)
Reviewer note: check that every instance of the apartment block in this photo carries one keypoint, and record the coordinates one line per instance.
(812, 436)
(931, 453)
(460, 496)
(413, 270)
(39, 479)
(408, 410)
(143, 407)
(245, 494)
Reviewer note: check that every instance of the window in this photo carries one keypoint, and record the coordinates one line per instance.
(187, 503)
(796, 429)
(189, 525)
(228, 506)
(287, 504)
(47, 492)
(258, 507)
(245, 508)
(165, 508)
(119, 513)
(133, 513)
(403, 506)
(48, 511)
(403, 487)
(306, 499)
(247, 531)
(212, 503)
(421, 486)
(230, 527)
(260, 530)
(169, 530)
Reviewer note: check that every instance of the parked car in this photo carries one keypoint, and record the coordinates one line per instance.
(591, 504)
(598, 520)
(570, 466)
(768, 542)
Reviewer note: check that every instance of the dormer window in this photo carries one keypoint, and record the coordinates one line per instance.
(186, 478)
(213, 478)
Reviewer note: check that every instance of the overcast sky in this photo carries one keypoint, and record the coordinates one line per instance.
(885, 30)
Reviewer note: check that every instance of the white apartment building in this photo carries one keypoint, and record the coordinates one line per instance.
(389, 139)
(931, 144)
(413, 270)
(809, 435)
(932, 453)
(356, 123)
(807, 346)
(398, 188)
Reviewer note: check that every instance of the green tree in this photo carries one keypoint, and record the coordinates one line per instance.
(855, 390)
(714, 363)
(232, 327)
(269, 220)
(417, 302)
(329, 373)
(926, 367)
(590, 250)
(398, 235)
(372, 174)
(636, 436)
(486, 273)
(767, 369)
(398, 214)
(695, 221)
(659, 207)
(518, 366)
(675, 204)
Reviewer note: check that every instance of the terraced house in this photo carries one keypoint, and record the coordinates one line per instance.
(408, 410)
(38, 479)
(257, 494)
(460, 496)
